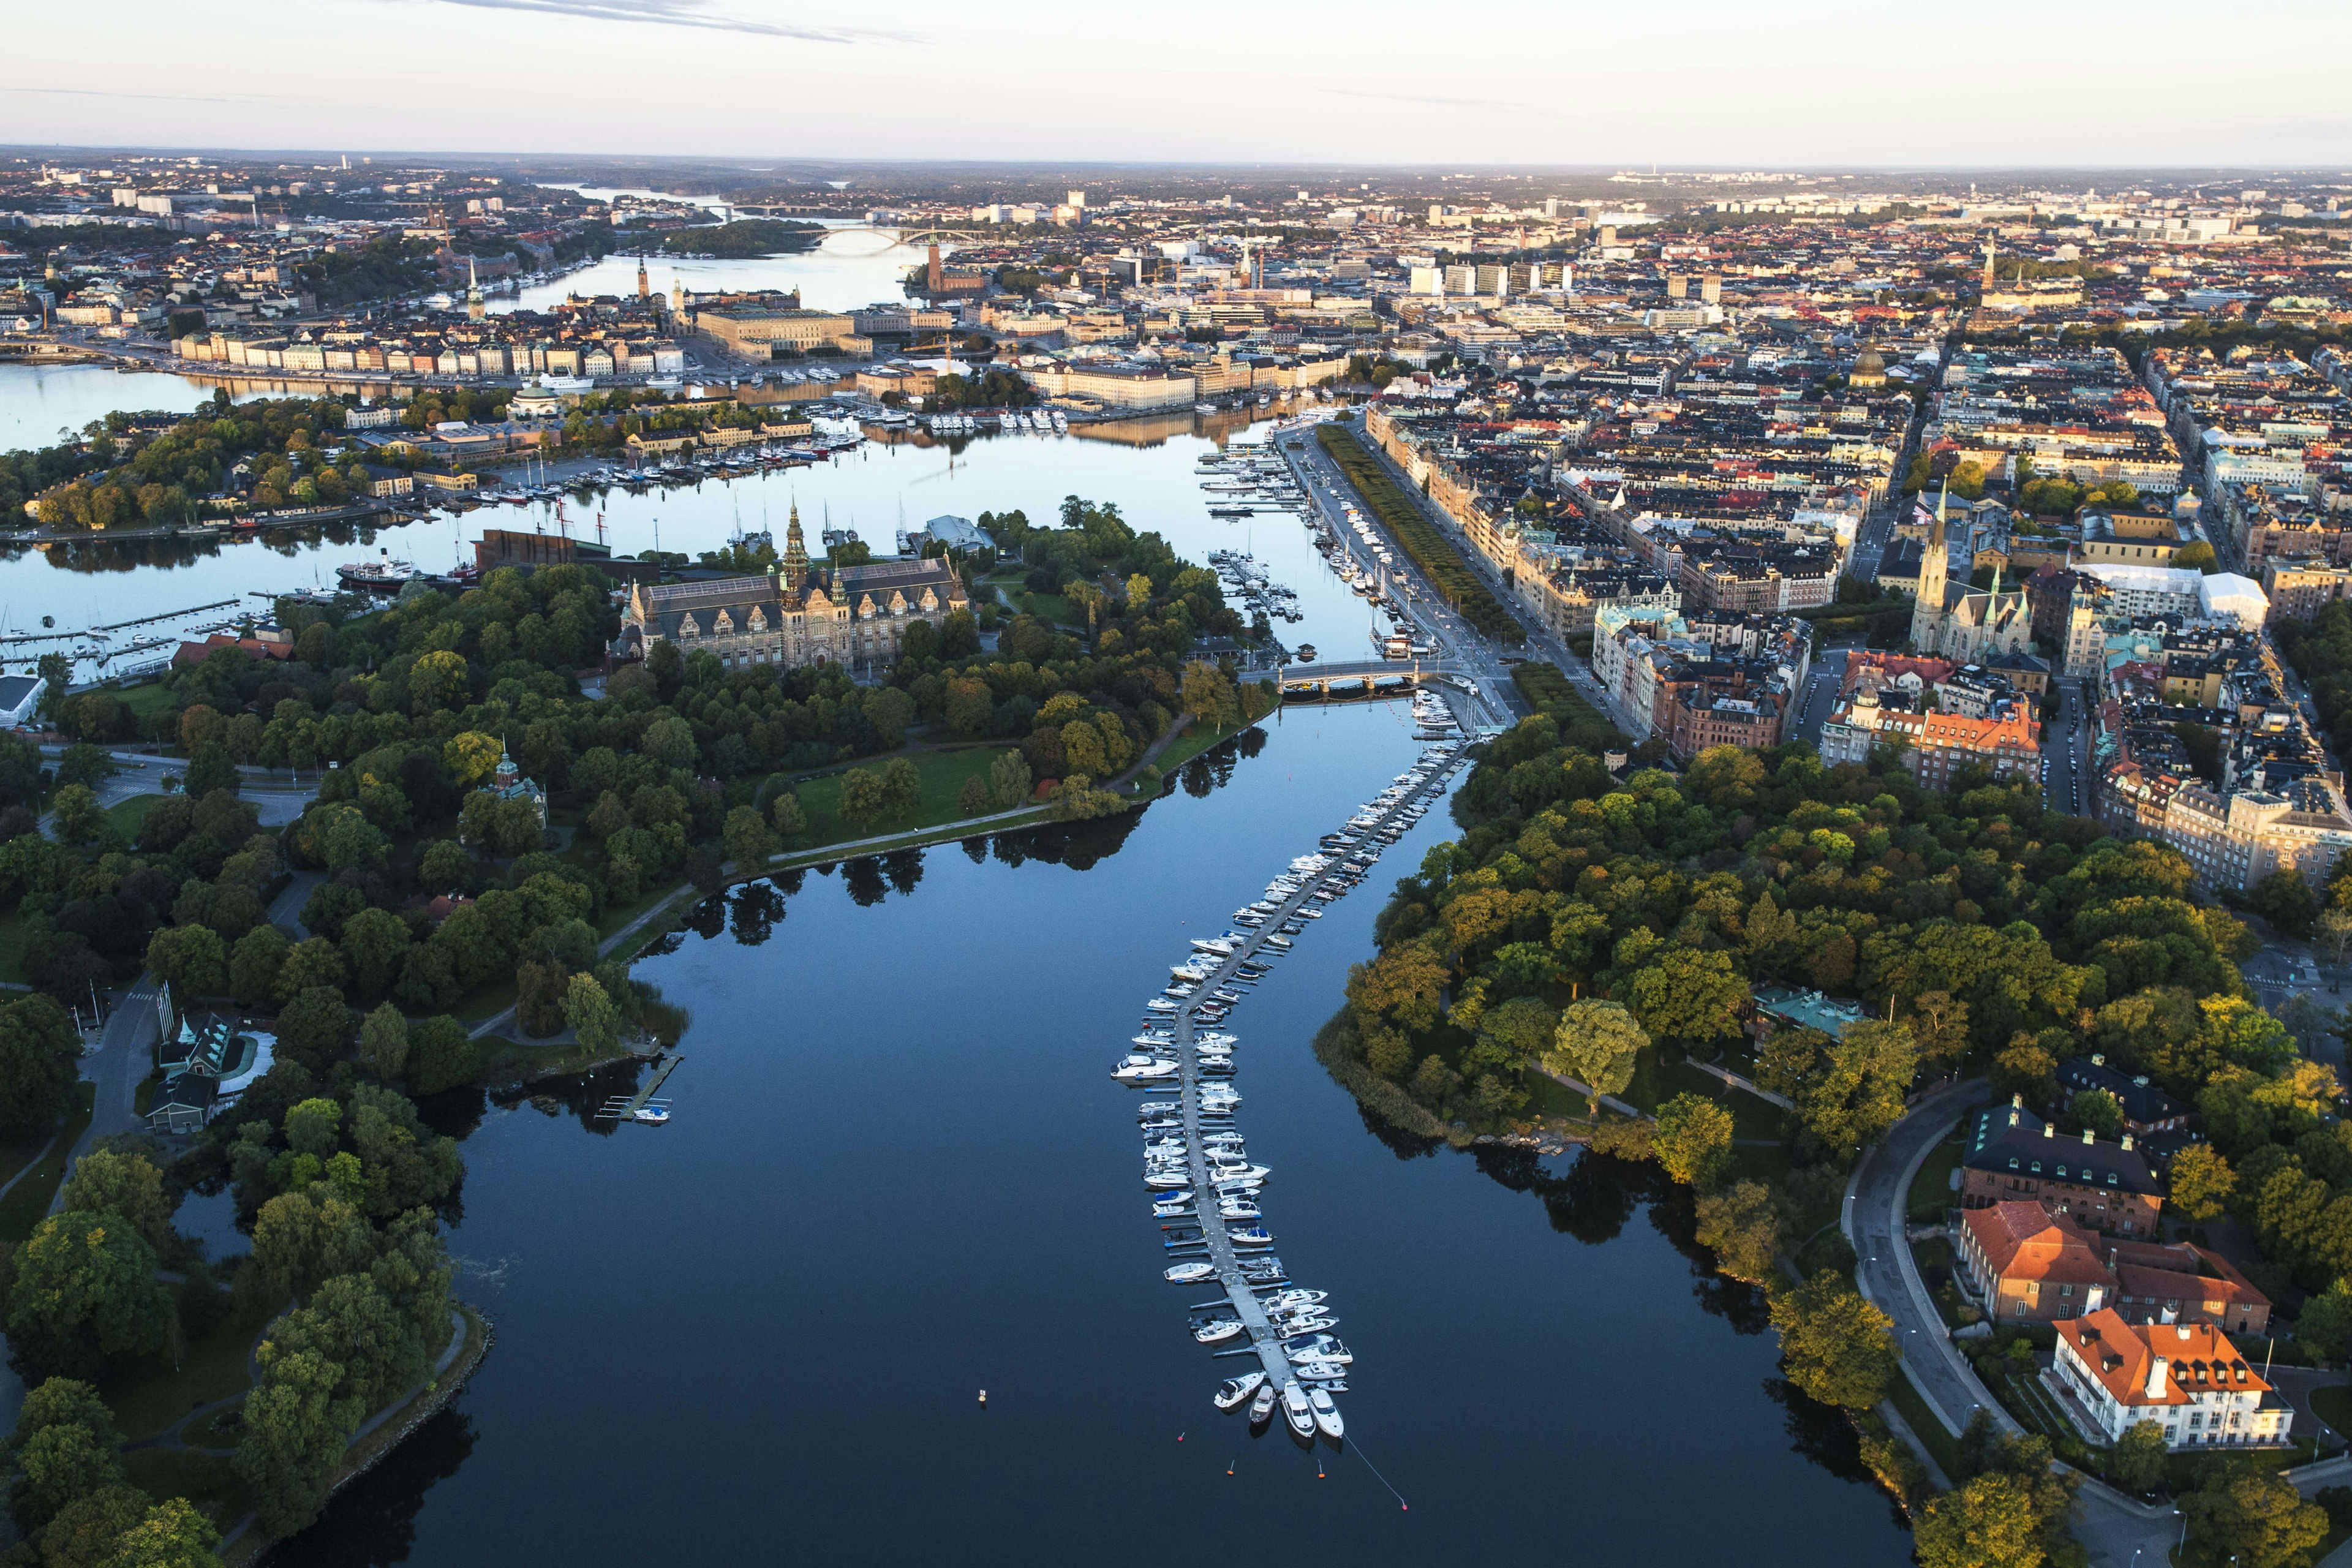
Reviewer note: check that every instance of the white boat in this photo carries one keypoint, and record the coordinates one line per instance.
(1215, 944)
(1326, 1415)
(1238, 1209)
(1288, 1299)
(1262, 1407)
(1160, 1004)
(1236, 1391)
(1218, 1330)
(1297, 1410)
(1189, 1273)
(653, 1115)
(1151, 1072)
(1251, 1236)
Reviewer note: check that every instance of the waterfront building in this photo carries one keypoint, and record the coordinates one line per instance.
(2030, 1266)
(2186, 1379)
(797, 614)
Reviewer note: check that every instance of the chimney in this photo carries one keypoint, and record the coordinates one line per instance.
(2012, 1118)
(2097, 1060)
(2017, 1100)
(2182, 1329)
(2087, 1136)
(2155, 1378)
(2126, 1143)
(2049, 1130)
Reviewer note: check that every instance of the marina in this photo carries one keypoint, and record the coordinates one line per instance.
(1218, 1233)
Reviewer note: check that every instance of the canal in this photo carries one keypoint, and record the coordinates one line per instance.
(900, 1174)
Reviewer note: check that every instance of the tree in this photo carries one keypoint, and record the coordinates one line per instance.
(748, 842)
(2325, 1327)
(2285, 900)
(84, 764)
(864, 802)
(2335, 932)
(85, 1298)
(2195, 556)
(1857, 1091)
(890, 711)
(107, 1181)
(1742, 1227)
(1689, 995)
(1597, 1042)
(2098, 1110)
(77, 815)
(315, 1027)
(791, 817)
(2250, 1516)
(314, 960)
(902, 789)
(540, 991)
(255, 963)
(1836, 1347)
(192, 959)
(383, 1043)
(172, 1535)
(296, 1428)
(1939, 1023)
(374, 944)
(1989, 1522)
(1008, 780)
(63, 1449)
(471, 757)
(592, 1014)
(39, 1057)
(973, 799)
(2137, 1461)
(210, 768)
(441, 1055)
(1208, 696)
(2024, 1068)
(1692, 1140)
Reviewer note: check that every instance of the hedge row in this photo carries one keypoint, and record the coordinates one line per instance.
(1438, 561)
(1548, 691)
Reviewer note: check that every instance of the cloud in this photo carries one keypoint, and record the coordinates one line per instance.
(145, 97)
(682, 14)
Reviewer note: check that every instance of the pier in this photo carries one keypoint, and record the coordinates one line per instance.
(625, 1108)
(1263, 1340)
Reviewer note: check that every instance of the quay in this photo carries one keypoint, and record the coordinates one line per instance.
(1266, 1344)
(620, 1109)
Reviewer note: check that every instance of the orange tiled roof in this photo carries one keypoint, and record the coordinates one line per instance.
(2199, 1358)
(2022, 1240)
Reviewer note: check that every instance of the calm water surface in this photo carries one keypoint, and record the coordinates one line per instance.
(900, 1174)
(1144, 465)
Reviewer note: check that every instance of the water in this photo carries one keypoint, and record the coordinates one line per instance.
(846, 272)
(773, 1317)
(1144, 465)
(42, 403)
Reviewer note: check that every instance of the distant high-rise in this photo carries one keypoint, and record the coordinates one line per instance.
(1077, 198)
(933, 276)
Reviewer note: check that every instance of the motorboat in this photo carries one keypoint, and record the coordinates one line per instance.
(1160, 1004)
(1151, 1072)
(1319, 1347)
(1251, 1236)
(1326, 1415)
(1189, 1273)
(1313, 1323)
(1236, 1391)
(652, 1115)
(1239, 1208)
(1192, 972)
(1297, 1410)
(1215, 944)
(1159, 1108)
(1289, 1300)
(1175, 1206)
(1217, 1330)
(1261, 1409)
(1172, 1180)
(1278, 941)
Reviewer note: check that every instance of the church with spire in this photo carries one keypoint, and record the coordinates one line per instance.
(799, 613)
(1964, 624)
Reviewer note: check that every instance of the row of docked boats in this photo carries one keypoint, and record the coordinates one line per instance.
(1206, 1190)
(1011, 421)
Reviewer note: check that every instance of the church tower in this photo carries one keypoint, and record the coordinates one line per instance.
(1934, 562)
(476, 305)
(645, 287)
(795, 566)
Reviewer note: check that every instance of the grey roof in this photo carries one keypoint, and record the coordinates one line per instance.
(14, 688)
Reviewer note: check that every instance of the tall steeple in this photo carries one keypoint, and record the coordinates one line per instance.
(645, 287)
(795, 570)
(1934, 562)
(476, 307)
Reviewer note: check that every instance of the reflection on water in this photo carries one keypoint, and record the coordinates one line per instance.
(898, 1173)
(373, 1521)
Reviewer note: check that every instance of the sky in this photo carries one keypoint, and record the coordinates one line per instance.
(1694, 82)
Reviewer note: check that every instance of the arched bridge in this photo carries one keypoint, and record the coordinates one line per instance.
(1370, 678)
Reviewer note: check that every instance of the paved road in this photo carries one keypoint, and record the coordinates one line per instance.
(1821, 689)
(1873, 1223)
(2067, 753)
(124, 1057)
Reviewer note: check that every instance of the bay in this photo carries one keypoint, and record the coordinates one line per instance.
(899, 1174)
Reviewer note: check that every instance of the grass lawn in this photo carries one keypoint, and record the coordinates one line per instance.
(28, 1200)
(1195, 740)
(1052, 608)
(127, 815)
(12, 948)
(942, 775)
(1931, 1189)
(1657, 1080)
(145, 698)
(215, 1367)
(2334, 1405)
(218, 1430)
(212, 1484)
(1941, 1445)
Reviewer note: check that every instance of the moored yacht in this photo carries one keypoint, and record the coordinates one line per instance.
(1297, 1410)
(1189, 1273)
(1236, 1391)
(1326, 1415)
